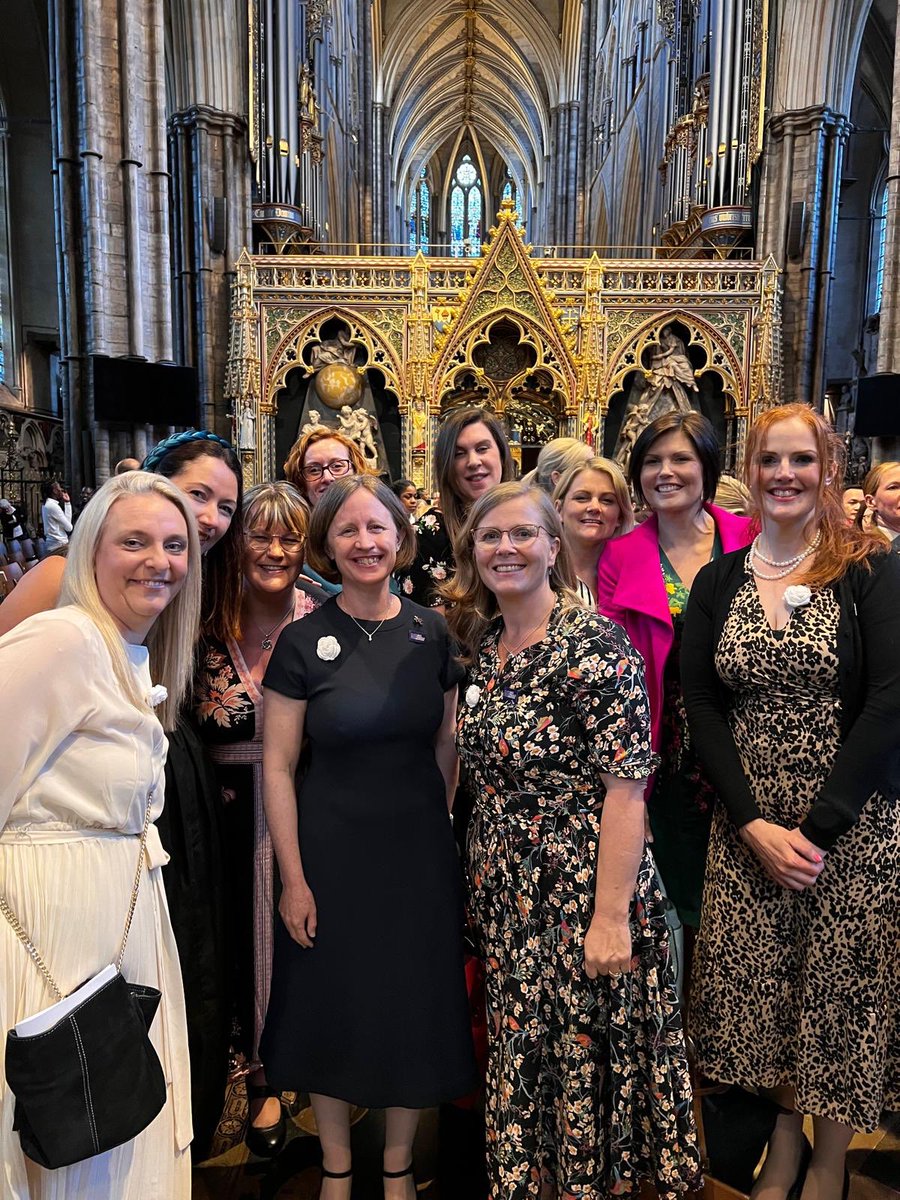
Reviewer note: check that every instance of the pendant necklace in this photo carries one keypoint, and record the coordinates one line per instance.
(266, 643)
(509, 650)
(360, 627)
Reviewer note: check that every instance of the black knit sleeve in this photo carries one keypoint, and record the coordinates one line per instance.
(869, 750)
(705, 697)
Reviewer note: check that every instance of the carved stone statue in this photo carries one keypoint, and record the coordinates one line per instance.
(357, 424)
(337, 350)
(667, 385)
(419, 425)
(315, 420)
(247, 427)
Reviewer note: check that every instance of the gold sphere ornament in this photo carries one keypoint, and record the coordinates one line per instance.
(338, 384)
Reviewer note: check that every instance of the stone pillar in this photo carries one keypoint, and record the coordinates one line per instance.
(803, 164)
(208, 156)
(889, 318)
(111, 195)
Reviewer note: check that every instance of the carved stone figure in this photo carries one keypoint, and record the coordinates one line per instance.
(247, 427)
(314, 422)
(668, 384)
(337, 350)
(636, 419)
(359, 425)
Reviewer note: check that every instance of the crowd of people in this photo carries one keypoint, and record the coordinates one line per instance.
(663, 700)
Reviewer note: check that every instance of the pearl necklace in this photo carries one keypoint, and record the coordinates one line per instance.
(787, 565)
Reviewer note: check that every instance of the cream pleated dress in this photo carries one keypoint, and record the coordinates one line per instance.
(77, 761)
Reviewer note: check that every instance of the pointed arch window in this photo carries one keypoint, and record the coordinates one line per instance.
(420, 216)
(880, 244)
(466, 211)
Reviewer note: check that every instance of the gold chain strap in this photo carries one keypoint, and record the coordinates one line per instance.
(29, 944)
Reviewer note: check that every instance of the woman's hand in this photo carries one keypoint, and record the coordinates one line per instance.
(607, 947)
(785, 854)
(298, 911)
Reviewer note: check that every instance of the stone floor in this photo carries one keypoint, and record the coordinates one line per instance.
(448, 1159)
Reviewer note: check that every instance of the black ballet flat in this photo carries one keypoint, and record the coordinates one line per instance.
(266, 1141)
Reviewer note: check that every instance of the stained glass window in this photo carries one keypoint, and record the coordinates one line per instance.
(466, 211)
(882, 242)
(419, 216)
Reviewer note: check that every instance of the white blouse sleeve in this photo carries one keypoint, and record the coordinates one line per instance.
(46, 664)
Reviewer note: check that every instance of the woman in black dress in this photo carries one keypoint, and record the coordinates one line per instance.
(368, 1003)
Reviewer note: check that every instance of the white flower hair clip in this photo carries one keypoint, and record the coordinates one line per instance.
(328, 648)
(797, 595)
(157, 694)
(473, 695)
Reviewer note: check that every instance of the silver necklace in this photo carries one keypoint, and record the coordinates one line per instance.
(509, 650)
(788, 565)
(266, 643)
(361, 629)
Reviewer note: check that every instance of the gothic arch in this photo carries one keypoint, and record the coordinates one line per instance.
(382, 355)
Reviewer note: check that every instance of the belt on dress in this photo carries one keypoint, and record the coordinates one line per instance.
(35, 835)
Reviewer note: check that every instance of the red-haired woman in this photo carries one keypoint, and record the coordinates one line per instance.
(791, 671)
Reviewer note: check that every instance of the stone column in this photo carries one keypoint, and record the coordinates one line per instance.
(111, 194)
(803, 164)
(889, 318)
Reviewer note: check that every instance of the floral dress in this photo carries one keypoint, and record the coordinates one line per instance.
(433, 562)
(587, 1087)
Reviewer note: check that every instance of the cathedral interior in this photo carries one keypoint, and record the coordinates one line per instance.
(251, 215)
(230, 216)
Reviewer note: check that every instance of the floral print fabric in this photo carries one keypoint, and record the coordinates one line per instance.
(587, 1081)
(433, 563)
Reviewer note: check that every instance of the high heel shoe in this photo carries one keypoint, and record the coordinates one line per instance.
(265, 1141)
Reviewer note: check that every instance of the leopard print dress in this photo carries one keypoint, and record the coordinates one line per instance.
(799, 988)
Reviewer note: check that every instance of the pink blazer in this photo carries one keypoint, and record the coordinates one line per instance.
(631, 592)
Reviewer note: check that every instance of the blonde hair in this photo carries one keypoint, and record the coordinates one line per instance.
(603, 466)
(279, 503)
(872, 483)
(733, 496)
(474, 604)
(557, 457)
(173, 636)
(293, 465)
(841, 546)
(326, 511)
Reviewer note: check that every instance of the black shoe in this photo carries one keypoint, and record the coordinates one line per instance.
(265, 1141)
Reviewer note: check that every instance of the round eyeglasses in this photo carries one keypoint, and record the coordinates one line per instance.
(337, 468)
(519, 535)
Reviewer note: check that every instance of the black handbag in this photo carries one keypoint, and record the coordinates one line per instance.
(92, 1081)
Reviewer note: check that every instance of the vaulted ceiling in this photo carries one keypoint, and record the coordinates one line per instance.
(494, 69)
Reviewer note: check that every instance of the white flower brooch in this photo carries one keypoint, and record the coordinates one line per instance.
(328, 648)
(797, 595)
(157, 694)
(473, 695)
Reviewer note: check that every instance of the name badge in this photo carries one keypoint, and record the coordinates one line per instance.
(416, 636)
(510, 694)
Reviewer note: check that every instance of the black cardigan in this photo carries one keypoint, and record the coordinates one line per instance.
(869, 683)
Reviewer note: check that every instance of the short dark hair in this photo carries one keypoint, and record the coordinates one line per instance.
(399, 486)
(325, 512)
(698, 431)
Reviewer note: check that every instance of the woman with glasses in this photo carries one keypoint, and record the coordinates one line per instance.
(587, 1088)
(228, 709)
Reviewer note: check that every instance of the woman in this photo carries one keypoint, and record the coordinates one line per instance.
(471, 455)
(587, 1088)
(594, 506)
(881, 489)
(406, 492)
(368, 1003)
(791, 665)
(643, 582)
(228, 709)
(555, 458)
(80, 759)
(206, 469)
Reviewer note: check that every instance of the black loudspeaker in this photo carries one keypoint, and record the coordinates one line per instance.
(218, 226)
(877, 406)
(796, 233)
(132, 391)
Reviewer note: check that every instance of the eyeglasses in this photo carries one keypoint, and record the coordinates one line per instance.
(337, 468)
(519, 535)
(260, 542)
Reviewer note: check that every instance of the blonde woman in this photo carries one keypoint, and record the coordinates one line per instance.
(88, 690)
(881, 489)
(594, 505)
(587, 1089)
(556, 457)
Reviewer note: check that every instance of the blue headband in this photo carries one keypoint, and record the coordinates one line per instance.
(158, 453)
